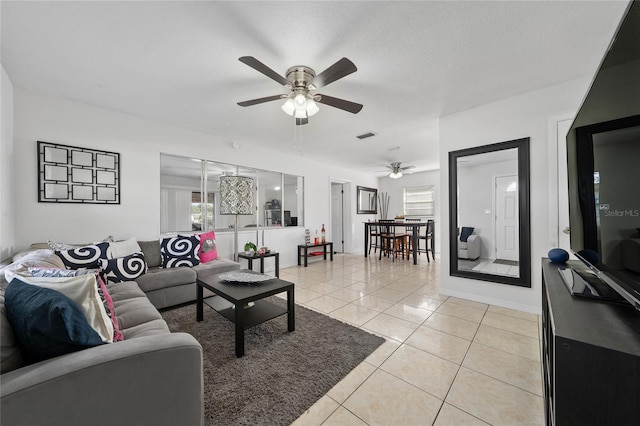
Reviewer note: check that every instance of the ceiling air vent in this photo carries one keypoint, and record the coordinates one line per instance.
(365, 135)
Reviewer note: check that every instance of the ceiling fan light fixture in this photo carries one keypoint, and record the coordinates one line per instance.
(300, 80)
(288, 107)
(300, 100)
(312, 107)
(395, 175)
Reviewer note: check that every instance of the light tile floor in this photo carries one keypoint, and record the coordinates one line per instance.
(446, 361)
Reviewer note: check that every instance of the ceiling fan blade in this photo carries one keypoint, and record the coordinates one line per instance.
(340, 69)
(301, 121)
(260, 100)
(352, 107)
(260, 67)
(407, 167)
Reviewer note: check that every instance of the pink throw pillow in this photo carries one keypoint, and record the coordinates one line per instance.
(111, 311)
(208, 250)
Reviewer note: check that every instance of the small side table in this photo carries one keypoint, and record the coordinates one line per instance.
(303, 251)
(251, 258)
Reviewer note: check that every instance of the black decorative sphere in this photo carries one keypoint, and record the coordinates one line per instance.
(590, 256)
(558, 255)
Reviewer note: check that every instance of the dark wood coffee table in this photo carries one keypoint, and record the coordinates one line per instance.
(232, 294)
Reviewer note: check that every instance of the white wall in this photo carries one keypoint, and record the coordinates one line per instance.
(7, 218)
(521, 116)
(395, 188)
(139, 142)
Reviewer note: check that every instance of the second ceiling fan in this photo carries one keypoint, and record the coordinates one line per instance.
(301, 81)
(396, 169)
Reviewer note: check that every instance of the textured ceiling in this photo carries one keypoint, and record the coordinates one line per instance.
(177, 62)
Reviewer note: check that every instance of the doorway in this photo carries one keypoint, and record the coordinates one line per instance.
(337, 216)
(506, 218)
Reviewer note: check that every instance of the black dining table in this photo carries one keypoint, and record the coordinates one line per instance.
(415, 226)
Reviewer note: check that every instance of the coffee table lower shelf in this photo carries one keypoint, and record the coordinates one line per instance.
(261, 312)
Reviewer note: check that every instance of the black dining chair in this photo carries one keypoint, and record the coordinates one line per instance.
(392, 242)
(429, 239)
(409, 230)
(374, 238)
(427, 236)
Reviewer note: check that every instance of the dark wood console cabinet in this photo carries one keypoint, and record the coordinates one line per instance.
(590, 357)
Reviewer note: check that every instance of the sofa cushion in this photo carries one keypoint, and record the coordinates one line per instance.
(84, 257)
(208, 250)
(180, 251)
(217, 266)
(40, 258)
(83, 289)
(123, 248)
(46, 323)
(60, 246)
(151, 250)
(127, 268)
(159, 278)
(150, 328)
(465, 233)
(43, 258)
(11, 356)
(107, 301)
(124, 290)
(133, 312)
(102, 290)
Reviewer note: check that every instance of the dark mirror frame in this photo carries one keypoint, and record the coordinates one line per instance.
(524, 278)
(366, 209)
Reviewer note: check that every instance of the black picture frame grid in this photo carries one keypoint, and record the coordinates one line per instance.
(72, 174)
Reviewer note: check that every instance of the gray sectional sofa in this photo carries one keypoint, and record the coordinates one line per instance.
(174, 286)
(152, 377)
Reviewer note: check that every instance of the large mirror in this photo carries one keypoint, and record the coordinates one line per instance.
(190, 196)
(367, 200)
(489, 213)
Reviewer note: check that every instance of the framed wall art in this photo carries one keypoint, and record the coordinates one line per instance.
(70, 174)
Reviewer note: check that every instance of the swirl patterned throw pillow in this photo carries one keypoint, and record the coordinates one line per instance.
(126, 268)
(84, 257)
(180, 251)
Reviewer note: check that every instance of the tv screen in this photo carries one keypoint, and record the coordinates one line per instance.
(603, 159)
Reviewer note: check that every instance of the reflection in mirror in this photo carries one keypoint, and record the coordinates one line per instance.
(293, 201)
(367, 200)
(270, 198)
(489, 196)
(185, 207)
(179, 179)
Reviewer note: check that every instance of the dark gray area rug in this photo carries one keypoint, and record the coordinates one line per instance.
(282, 374)
(506, 262)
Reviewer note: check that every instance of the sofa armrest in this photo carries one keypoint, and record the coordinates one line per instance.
(152, 380)
(473, 247)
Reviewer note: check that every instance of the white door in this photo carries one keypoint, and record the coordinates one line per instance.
(336, 218)
(507, 238)
(563, 186)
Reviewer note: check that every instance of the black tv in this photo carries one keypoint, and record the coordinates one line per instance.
(603, 162)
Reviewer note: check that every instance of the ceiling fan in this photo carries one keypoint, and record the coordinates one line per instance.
(397, 169)
(301, 81)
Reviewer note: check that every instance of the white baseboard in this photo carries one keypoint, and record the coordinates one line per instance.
(492, 301)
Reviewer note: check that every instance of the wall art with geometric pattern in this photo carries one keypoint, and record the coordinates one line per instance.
(70, 174)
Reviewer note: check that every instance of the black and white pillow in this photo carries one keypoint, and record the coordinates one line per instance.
(180, 251)
(84, 257)
(126, 268)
